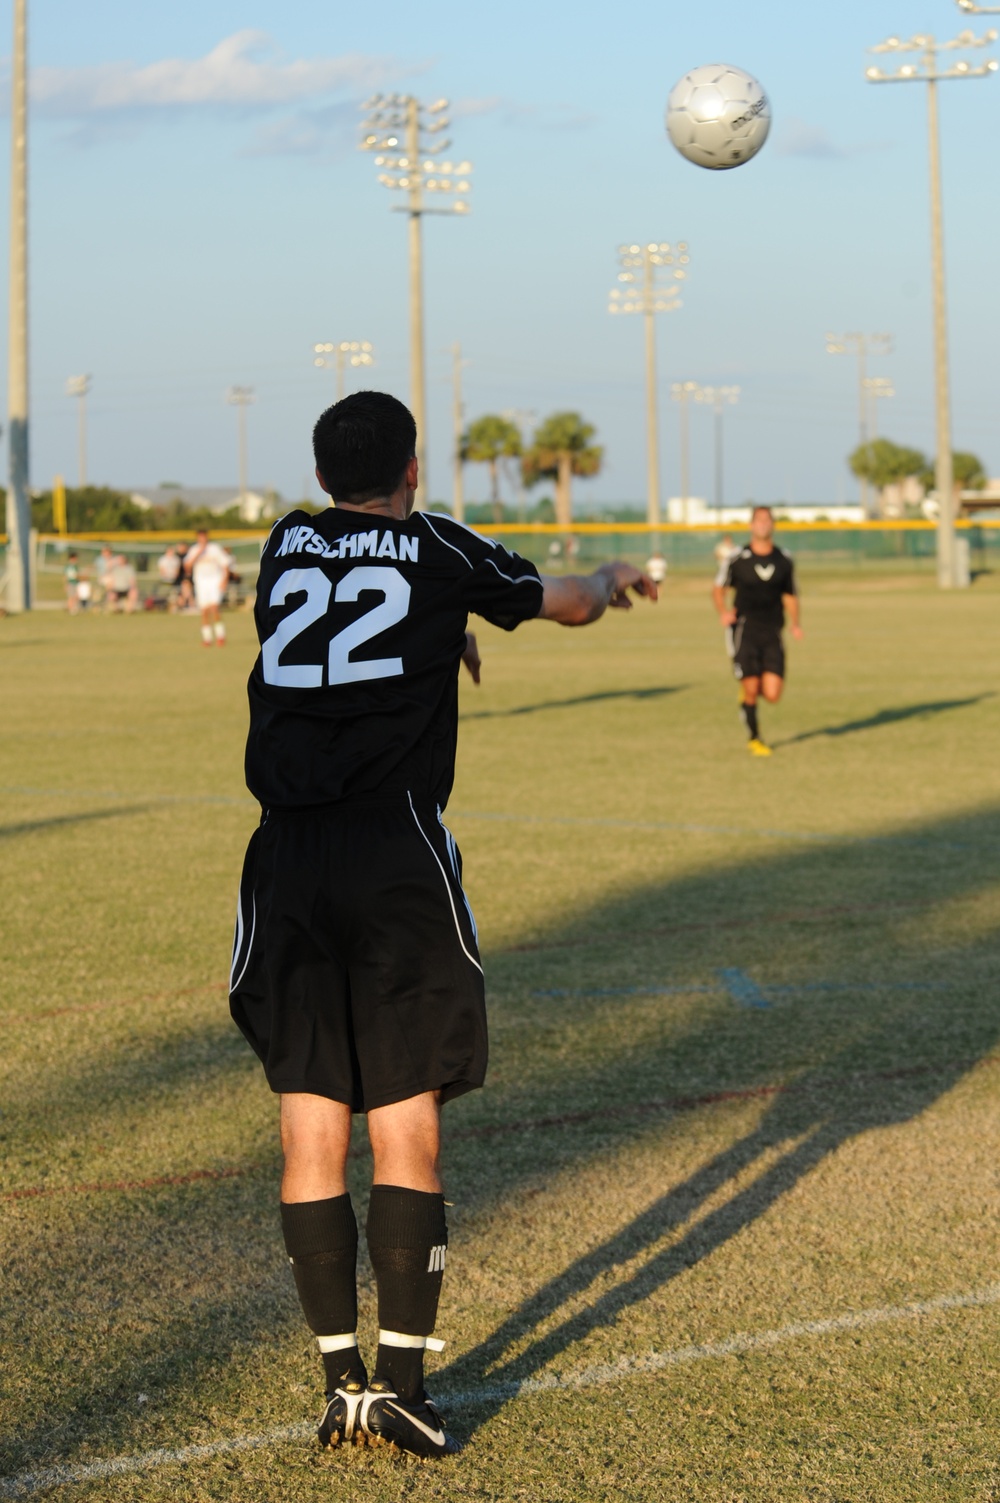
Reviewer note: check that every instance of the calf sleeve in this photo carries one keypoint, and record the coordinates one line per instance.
(407, 1238)
(321, 1239)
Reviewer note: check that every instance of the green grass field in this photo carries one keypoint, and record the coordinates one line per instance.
(726, 1216)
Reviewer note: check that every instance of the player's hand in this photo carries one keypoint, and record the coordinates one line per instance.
(797, 632)
(471, 658)
(728, 618)
(623, 577)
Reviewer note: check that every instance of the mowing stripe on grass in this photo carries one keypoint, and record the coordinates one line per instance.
(739, 986)
(534, 1124)
(601, 1375)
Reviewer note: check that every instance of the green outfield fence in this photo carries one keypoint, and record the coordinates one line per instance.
(687, 549)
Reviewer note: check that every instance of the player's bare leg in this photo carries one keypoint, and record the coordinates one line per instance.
(771, 685)
(321, 1239)
(211, 625)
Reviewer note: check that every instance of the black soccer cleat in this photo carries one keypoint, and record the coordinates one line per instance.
(410, 1425)
(341, 1424)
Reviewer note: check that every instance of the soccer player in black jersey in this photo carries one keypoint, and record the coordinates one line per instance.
(764, 581)
(356, 972)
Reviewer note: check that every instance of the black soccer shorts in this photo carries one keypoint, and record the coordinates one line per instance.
(755, 649)
(356, 972)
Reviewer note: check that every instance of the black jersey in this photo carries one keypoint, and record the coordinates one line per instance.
(760, 580)
(362, 622)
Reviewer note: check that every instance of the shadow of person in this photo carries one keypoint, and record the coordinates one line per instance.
(577, 700)
(888, 717)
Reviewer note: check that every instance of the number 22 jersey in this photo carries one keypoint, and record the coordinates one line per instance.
(362, 620)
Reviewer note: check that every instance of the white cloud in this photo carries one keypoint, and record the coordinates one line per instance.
(553, 116)
(245, 71)
(797, 138)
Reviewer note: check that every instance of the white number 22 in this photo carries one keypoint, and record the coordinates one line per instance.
(317, 587)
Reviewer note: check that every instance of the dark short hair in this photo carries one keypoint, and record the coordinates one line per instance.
(755, 509)
(363, 445)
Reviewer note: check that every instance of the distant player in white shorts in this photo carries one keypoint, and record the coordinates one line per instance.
(208, 567)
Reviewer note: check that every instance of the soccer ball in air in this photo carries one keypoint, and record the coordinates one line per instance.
(718, 116)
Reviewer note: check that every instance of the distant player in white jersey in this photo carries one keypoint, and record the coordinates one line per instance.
(208, 567)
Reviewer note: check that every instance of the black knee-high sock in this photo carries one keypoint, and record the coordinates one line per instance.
(321, 1239)
(407, 1238)
(749, 713)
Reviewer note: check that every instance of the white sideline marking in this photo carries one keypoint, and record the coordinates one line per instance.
(27, 1484)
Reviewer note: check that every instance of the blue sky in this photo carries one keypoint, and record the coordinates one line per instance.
(200, 216)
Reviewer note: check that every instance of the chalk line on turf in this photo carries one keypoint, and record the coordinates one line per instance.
(29, 1484)
(590, 822)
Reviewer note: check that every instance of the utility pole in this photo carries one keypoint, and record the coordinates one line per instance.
(929, 71)
(240, 397)
(18, 494)
(717, 397)
(861, 345)
(457, 427)
(400, 125)
(348, 351)
(682, 392)
(876, 388)
(78, 386)
(650, 273)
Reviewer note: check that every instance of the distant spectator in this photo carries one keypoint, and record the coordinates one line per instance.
(123, 587)
(105, 564)
(725, 549)
(72, 575)
(209, 571)
(169, 568)
(185, 591)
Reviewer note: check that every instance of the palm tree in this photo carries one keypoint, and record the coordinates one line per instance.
(487, 441)
(562, 449)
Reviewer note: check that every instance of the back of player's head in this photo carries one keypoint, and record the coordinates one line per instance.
(363, 445)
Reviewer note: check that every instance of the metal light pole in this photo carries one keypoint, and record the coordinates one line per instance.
(717, 398)
(347, 352)
(78, 386)
(928, 71)
(877, 388)
(650, 273)
(240, 397)
(682, 392)
(861, 345)
(18, 496)
(457, 428)
(400, 125)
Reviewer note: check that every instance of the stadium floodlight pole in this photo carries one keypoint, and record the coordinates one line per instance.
(972, 9)
(78, 386)
(682, 392)
(929, 71)
(861, 345)
(18, 496)
(346, 352)
(404, 133)
(649, 274)
(457, 427)
(717, 397)
(877, 388)
(240, 397)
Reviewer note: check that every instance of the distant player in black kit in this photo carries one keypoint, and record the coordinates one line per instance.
(764, 581)
(356, 971)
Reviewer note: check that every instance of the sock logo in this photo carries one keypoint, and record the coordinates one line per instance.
(435, 1263)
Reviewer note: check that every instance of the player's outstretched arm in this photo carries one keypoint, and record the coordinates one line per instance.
(791, 603)
(724, 612)
(578, 599)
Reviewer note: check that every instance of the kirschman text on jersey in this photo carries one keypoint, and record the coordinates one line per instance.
(371, 544)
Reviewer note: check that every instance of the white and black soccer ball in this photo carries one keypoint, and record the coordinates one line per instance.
(718, 116)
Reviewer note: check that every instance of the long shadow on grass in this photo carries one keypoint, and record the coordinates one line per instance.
(889, 717)
(57, 821)
(844, 1063)
(578, 699)
(856, 1060)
